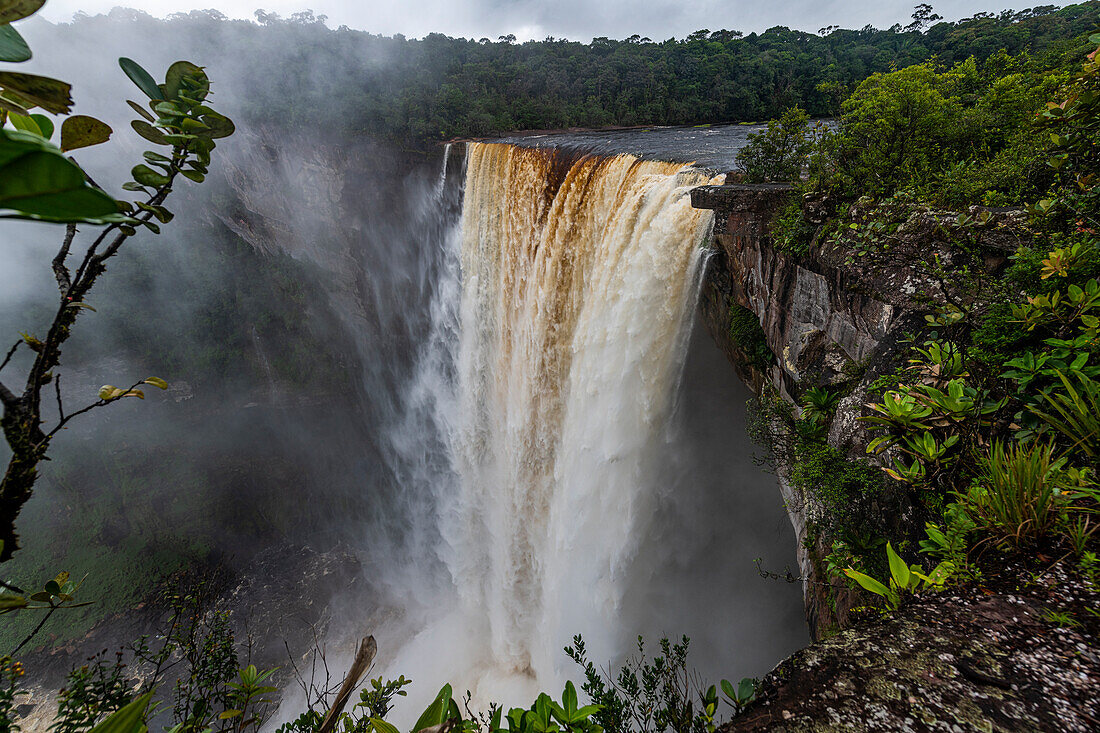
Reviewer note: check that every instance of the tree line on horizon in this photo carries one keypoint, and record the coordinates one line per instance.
(439, 88)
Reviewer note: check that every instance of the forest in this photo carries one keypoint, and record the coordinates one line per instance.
(438, 87)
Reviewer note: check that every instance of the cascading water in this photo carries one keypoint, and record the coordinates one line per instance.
(579, 276)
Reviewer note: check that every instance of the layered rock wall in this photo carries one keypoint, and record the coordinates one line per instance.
(833, 315)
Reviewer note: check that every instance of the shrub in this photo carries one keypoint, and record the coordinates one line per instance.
(778, 153)
(746, 333)
(1020, 493)
(790, 229)
(1074, 412)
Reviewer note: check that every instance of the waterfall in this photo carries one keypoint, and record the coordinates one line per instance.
(579, 276)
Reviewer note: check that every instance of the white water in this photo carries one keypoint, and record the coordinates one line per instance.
(565, 324)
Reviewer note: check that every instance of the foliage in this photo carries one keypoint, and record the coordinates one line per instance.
(790, 229)
(38, 183)
(1073, 125)
(437, 87)
(93, 691)
(745, 331)
(11, 674)
(954, 137)
(819, 403)
(651, 696)
(1023, 492)
(1075, 413)
(779, 153)
(903, 579)
(950, 541)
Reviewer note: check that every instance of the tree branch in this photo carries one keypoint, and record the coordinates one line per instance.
(98, 403)
(11, 353)
(7, 399)
(57, 391)
(60, 271)
(36, 630)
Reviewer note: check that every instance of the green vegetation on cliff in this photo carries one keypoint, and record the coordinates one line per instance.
(986, 432)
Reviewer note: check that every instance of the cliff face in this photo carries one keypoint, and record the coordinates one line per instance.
(832, 316)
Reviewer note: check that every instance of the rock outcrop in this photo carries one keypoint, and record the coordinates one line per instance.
(1008, 658)
(833, 312)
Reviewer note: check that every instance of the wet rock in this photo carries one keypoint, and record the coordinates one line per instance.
(967, 659)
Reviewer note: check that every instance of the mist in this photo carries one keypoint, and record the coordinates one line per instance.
(297, 305)
(577, 20)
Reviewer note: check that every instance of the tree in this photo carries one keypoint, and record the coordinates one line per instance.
(779, 153)
(38, 182)
(922, 18)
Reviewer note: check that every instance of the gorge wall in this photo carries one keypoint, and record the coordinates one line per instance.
(831, 317)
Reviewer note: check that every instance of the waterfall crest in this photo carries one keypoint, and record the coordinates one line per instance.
(579, 275)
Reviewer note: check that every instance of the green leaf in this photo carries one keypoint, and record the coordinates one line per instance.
(898, 569)
(10, 602)
(146, 176)
(569, 698)
(51, 95)
(220, 126)
(81, 305)
(38, 181)
(727, 689)
(868, 582)
(168, 110)
(436, 712)
(746, 688)
(382, 726)
(12, 102)
(130, 719)
(174, 80)
(81, 131)
(11, 10)
(193, 175)
(45, 125)
(149, 132)
(141, 78)
(141, 111)
(12, 46)
(26, 123)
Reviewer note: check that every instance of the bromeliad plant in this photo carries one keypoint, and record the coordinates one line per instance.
(926, 424)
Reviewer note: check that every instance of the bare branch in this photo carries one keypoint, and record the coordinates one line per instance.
(13, 588)
(60, 270)
(57, 391)
(98, 403)
(11, 353)
(6, 397)
(363, 657)
(36, 630)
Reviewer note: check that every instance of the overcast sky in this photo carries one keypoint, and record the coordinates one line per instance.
(576, 19)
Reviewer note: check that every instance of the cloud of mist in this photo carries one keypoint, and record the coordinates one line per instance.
(574, 19)
(356, 227)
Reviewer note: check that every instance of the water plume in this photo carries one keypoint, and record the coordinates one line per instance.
(579, 276)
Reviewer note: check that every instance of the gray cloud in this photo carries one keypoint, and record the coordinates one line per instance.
(577, 19)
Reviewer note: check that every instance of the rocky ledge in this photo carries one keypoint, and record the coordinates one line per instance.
(972, 658)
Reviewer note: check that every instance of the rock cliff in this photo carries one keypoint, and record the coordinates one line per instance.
(833, 313)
